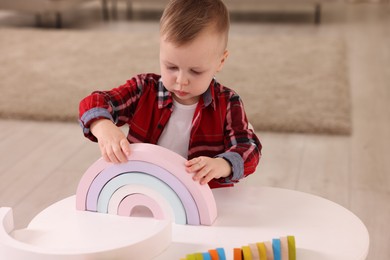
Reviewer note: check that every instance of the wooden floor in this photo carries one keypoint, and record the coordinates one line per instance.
(41, 163)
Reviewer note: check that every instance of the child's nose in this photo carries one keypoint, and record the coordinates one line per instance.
(181, 79)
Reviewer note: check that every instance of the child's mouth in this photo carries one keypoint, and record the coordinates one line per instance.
(181, 93)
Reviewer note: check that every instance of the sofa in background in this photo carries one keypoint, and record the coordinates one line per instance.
(41, 7)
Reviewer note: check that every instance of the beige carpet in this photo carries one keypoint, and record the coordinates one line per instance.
(289, 83)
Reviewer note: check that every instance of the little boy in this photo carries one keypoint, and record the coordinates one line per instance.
(185, 109)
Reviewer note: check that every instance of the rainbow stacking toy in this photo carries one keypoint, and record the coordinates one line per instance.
(159, 183)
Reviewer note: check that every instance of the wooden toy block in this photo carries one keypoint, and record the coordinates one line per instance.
(116, 200)
(269, 250)
(237, 254)
(291, 248)
(206, 256)
(129, 204)
(221, 253)
(246, 252)
(262, 250)
(284, 248)
(279, 249)
(254, 251)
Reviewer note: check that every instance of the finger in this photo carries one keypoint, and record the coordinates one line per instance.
(105, 157)
(192, 165)
(194, 168)
(119, 154)
(201, 173)
(199, 164)
(125, 145)
(207, 178)
(191, 162)
(112, 154)
(103, 152)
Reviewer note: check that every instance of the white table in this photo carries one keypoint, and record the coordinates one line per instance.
(323, 229)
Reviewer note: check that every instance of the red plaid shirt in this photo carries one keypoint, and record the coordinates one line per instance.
(219, 126)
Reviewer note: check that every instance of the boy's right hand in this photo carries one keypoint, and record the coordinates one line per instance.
(113, 143)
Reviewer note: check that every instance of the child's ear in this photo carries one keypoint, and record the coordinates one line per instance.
(223, 59)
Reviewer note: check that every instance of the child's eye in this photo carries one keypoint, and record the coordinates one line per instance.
(196, 72)
(172, 68)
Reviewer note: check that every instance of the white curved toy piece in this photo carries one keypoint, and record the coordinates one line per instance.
(62, 233)
(152, 160)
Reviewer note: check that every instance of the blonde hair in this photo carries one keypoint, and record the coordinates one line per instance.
(183, 20)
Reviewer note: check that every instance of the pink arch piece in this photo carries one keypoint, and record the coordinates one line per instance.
(129, 189)
(86, 180)
(131, 201)
(166, 159)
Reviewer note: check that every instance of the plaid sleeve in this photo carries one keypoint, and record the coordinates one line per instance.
(243, 147)
(117, 105)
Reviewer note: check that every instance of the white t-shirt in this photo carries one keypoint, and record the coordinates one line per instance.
(176, 134)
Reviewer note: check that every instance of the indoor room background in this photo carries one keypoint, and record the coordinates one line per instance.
(314, 77)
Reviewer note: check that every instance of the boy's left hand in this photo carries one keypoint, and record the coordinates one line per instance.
(205, 168)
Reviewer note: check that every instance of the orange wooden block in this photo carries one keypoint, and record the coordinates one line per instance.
(214, 254)
(237, 254)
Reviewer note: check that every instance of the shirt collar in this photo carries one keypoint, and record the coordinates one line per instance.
(164, 97)
(208, 96)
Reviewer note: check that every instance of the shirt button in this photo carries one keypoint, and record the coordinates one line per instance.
(159, 126)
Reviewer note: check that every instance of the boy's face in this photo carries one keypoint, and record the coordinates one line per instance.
(187, 70)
